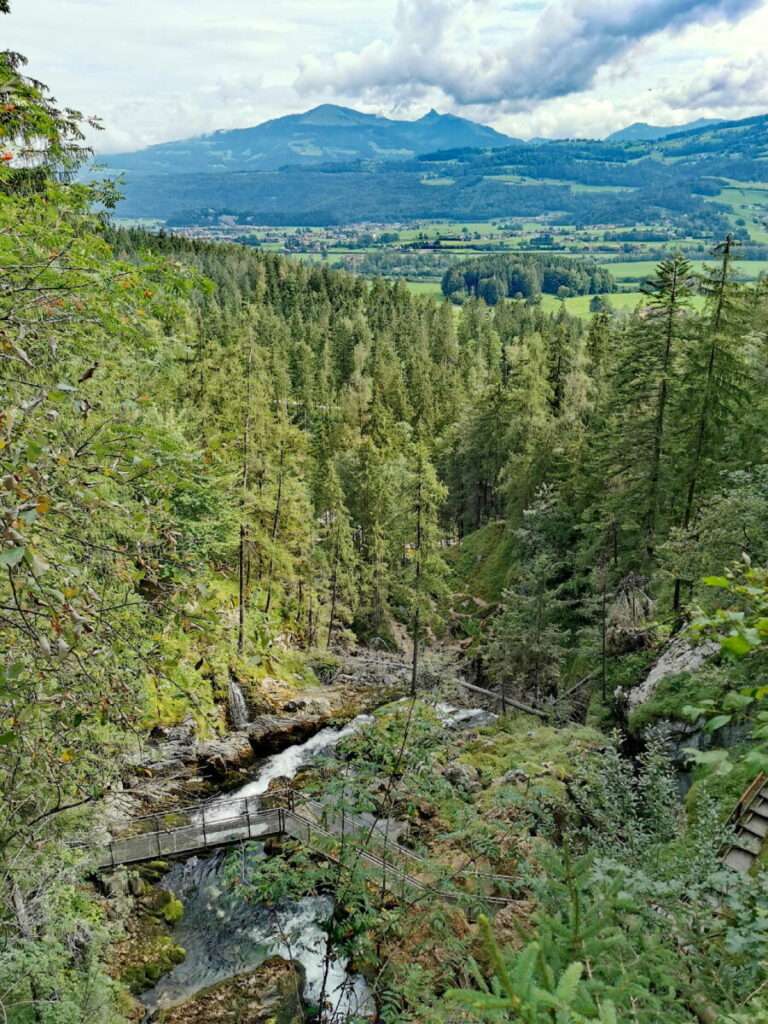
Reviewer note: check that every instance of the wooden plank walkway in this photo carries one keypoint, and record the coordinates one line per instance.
(252, 822)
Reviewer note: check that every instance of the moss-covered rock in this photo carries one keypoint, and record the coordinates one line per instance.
(269, 995)
(148, 951)
(516, 745)
(173, 911)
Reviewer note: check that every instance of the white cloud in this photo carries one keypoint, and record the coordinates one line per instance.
(561, 54)
(163, 69)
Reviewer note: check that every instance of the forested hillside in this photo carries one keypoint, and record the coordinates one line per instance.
(663, 181)
(223, 469)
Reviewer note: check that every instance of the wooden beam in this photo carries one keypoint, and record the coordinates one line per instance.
(508, 700)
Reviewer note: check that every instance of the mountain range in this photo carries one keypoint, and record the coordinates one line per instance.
(325, 134)
(683, 179)
(333, 134)
(641, 131)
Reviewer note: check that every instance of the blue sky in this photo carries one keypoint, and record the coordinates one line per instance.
(165, 69)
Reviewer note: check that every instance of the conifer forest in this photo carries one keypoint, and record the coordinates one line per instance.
(371, 655)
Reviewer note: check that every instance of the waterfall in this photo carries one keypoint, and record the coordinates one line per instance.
(225, 935)
(236, 706)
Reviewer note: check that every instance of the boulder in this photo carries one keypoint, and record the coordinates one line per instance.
(679, 655)
(269, 995)
(270, 734)
(219, 757)
(462, 776)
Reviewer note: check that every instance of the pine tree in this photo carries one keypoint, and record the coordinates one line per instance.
(424, 568)
(713, 382)
(669, 294)
(336, 544)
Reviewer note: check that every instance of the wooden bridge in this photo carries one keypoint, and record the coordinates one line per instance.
(246, 820)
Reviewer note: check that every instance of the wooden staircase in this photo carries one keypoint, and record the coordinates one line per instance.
(749, 821)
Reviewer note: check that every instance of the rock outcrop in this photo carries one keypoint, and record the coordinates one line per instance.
(680, 655)
(269, 995)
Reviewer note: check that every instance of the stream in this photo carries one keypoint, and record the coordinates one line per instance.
(224, 936)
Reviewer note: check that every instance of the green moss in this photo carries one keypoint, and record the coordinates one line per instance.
(724, 790)
(518, 743)
(147, 958)
(710, 682)
(482, 561)
(173, 911)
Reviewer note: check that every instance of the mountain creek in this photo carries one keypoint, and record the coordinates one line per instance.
(194, 951)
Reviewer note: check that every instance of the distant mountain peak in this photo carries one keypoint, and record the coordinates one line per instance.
(641, 131)
(325, 134)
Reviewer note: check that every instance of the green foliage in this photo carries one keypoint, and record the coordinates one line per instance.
(742, 631)
(214, 461)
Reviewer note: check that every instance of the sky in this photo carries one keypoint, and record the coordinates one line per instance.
(155, 70)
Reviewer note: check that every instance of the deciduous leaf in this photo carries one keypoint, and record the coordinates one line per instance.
(11, 556)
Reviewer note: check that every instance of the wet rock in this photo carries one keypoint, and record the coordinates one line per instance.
(217, 758)
(148, 951)
(116, 884)
(136, 885)
(676, 737)
(313, 706)
(462, 776)
(270, 734)
(269, 995)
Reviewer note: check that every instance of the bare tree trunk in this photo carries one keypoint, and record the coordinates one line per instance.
(417, 583)
(334, 590)
(701, 433)
(658, 434)
(25, 927)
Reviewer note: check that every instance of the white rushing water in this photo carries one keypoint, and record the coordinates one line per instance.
(463, 718)
(284, 765)
(236, 706)
(225, 936)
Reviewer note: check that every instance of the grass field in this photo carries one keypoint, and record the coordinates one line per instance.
(425, 288)
(445, 227)
(641, 270)
(620, 302)
(743, 201)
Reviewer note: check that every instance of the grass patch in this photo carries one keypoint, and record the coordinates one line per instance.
(482, 561)
(620, 302)
(641, 270)
(521, 743)
(425, 288)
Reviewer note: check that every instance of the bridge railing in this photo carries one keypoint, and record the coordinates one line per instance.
(218, 824)
(195, 837)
